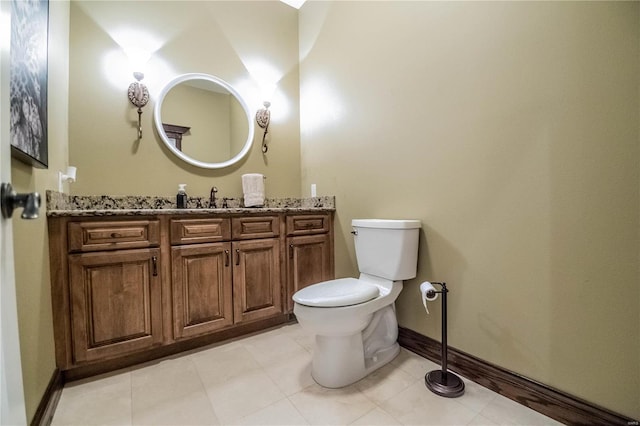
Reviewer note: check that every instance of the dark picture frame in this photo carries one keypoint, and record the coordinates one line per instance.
(28, 81)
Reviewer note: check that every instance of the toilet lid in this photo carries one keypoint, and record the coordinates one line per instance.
(335, 293)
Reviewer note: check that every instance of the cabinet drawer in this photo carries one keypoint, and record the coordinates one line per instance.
(190, 231)
(308, 224)
(92, 236)
(255, 227)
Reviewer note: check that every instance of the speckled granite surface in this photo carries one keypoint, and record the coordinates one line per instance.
(59, 204)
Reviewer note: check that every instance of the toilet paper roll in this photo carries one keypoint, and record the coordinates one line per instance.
(425, 288)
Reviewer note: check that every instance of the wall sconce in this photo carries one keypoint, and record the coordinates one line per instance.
(263, 117)
(70, 176)
(139, 96)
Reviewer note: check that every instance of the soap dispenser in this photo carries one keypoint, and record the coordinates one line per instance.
(181, 198)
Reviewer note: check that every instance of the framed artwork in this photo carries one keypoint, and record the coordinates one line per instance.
(28, 81)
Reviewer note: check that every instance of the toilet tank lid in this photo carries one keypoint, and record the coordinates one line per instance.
(387, 223)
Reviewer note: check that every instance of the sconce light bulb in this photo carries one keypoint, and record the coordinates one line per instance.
(138, 75)
(266, 104)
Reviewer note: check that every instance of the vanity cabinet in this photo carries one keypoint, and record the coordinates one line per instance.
(201, 289)
(310, 252)
(114, 288)
(115, 303)
(215, 285)
(257, 285)
(129, 288)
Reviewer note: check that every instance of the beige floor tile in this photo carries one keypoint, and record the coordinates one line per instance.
(302, 337)
(376, 417)
(291, 373)
(242, 395)
(280, 413)
(385, 383)
(102, 401)
(480, 420)
(475, 397)
(322, 406)
(265, 379)
(273, 347)
(170, 392)
(414, 364)
(293, 330)
(220, 364)
(417, 405)
(503, 411)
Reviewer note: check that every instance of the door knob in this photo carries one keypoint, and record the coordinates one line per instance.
(10, 200)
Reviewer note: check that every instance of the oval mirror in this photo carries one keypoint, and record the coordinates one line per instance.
(204, 121)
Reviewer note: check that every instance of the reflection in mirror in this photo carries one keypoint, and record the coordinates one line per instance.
(174, 134)
(204, 121)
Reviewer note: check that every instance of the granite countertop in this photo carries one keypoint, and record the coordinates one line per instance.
(59, 204)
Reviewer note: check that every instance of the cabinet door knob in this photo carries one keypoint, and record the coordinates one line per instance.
(154, 261)
(238, 257)
(226, 258)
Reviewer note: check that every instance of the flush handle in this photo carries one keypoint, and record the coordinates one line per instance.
(10, 200)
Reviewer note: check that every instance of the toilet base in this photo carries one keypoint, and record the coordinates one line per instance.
(343, 363)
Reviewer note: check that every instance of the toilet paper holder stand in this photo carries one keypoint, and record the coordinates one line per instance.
(443, 382)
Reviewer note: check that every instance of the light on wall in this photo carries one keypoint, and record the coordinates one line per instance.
(138, 92)
(263, 117)
(139, 96)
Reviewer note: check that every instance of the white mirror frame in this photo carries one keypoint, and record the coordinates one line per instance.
(157, 114)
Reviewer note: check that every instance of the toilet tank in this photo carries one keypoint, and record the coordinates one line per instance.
(387, 248)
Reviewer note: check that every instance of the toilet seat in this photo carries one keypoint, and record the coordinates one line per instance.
(336, 293)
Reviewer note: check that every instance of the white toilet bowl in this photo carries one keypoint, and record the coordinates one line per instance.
(354, 340)
(354, 320)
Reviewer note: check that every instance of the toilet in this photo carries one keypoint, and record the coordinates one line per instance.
(354, 320)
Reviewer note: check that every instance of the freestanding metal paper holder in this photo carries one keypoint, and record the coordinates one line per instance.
(443, 382)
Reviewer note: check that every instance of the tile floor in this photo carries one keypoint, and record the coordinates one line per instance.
(265, 379)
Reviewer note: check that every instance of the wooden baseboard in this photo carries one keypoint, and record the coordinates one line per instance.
(49, 401)
(544, 399)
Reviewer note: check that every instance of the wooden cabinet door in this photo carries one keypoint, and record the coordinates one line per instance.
(256, 279)
(202, 291)
(115, 302)
(309, 261)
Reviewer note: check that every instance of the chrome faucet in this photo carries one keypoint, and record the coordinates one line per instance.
(212, 198)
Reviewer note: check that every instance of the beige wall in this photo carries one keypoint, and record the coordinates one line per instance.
(218, 38)
(31, 244)
(511, 131)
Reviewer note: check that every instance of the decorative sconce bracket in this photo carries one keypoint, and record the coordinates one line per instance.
(138, 96)
(263, 117)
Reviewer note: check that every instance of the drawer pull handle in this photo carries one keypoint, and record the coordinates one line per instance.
(238, 257)
(290, 251)
(226, 258)
(115, 235)
(154, 261)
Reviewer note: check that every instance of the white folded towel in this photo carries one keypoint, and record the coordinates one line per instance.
(253, 188)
